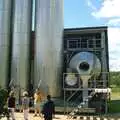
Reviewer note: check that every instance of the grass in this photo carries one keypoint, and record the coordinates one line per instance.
(115, 96)
(114, 104)
(115, 89)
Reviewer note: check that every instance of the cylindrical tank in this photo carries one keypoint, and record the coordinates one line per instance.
(21, 42)
(48, 46)
(5, 21)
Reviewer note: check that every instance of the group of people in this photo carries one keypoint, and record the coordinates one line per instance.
(47, 111)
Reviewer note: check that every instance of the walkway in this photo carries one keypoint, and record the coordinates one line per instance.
(19, 116)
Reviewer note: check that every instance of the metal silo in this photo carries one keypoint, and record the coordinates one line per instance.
(48, 46)
(21, 41)
(5, 19)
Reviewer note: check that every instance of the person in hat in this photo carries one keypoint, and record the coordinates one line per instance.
(48, 109)
(11, 105)
(25, 105)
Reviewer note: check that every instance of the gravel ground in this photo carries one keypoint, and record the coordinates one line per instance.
(19, 116)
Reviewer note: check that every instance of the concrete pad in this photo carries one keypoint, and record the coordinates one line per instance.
(19, 116)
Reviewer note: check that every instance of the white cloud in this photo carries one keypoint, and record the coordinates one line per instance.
(109, 11)
(91, 5)
(114, 48)
(109, 8)
(113, 36)
(114, 22)
(114, 65)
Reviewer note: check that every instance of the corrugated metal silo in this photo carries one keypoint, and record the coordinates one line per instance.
(5, 21)
(48, 46)
(21, 41)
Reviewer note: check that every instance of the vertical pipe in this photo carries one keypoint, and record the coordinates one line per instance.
(31, 72)
(48, 46)
(104, 59)
(5, 22)
(21, 42)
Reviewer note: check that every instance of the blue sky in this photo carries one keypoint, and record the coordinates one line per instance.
(85, 13)
(77, 13)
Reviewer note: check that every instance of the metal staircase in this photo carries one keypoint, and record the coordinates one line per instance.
(81, 105)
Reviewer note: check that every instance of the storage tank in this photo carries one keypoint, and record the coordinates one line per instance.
(21, 41)
(48, 46)
(5, 22)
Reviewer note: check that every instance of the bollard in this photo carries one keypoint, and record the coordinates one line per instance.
(88, 118)
(94, 118)
(81, 118)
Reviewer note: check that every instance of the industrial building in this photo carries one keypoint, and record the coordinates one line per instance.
(70, 64)
(86, 67)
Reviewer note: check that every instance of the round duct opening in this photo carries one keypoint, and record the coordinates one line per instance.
(84, 66)
(85, 63)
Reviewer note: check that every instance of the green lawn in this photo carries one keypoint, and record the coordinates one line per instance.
(114, 104)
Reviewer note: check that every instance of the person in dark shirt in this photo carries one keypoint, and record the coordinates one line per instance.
(11, 104)
(48, 109)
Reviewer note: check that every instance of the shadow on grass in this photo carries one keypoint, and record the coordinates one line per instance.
(114, 106)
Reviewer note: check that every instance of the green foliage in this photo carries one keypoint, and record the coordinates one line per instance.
(3, 97)
(114, 104)
(115, 79)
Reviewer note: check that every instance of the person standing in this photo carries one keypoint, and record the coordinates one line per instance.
(37, 102)
(48, 109)
(25, 105)
(11, 105)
